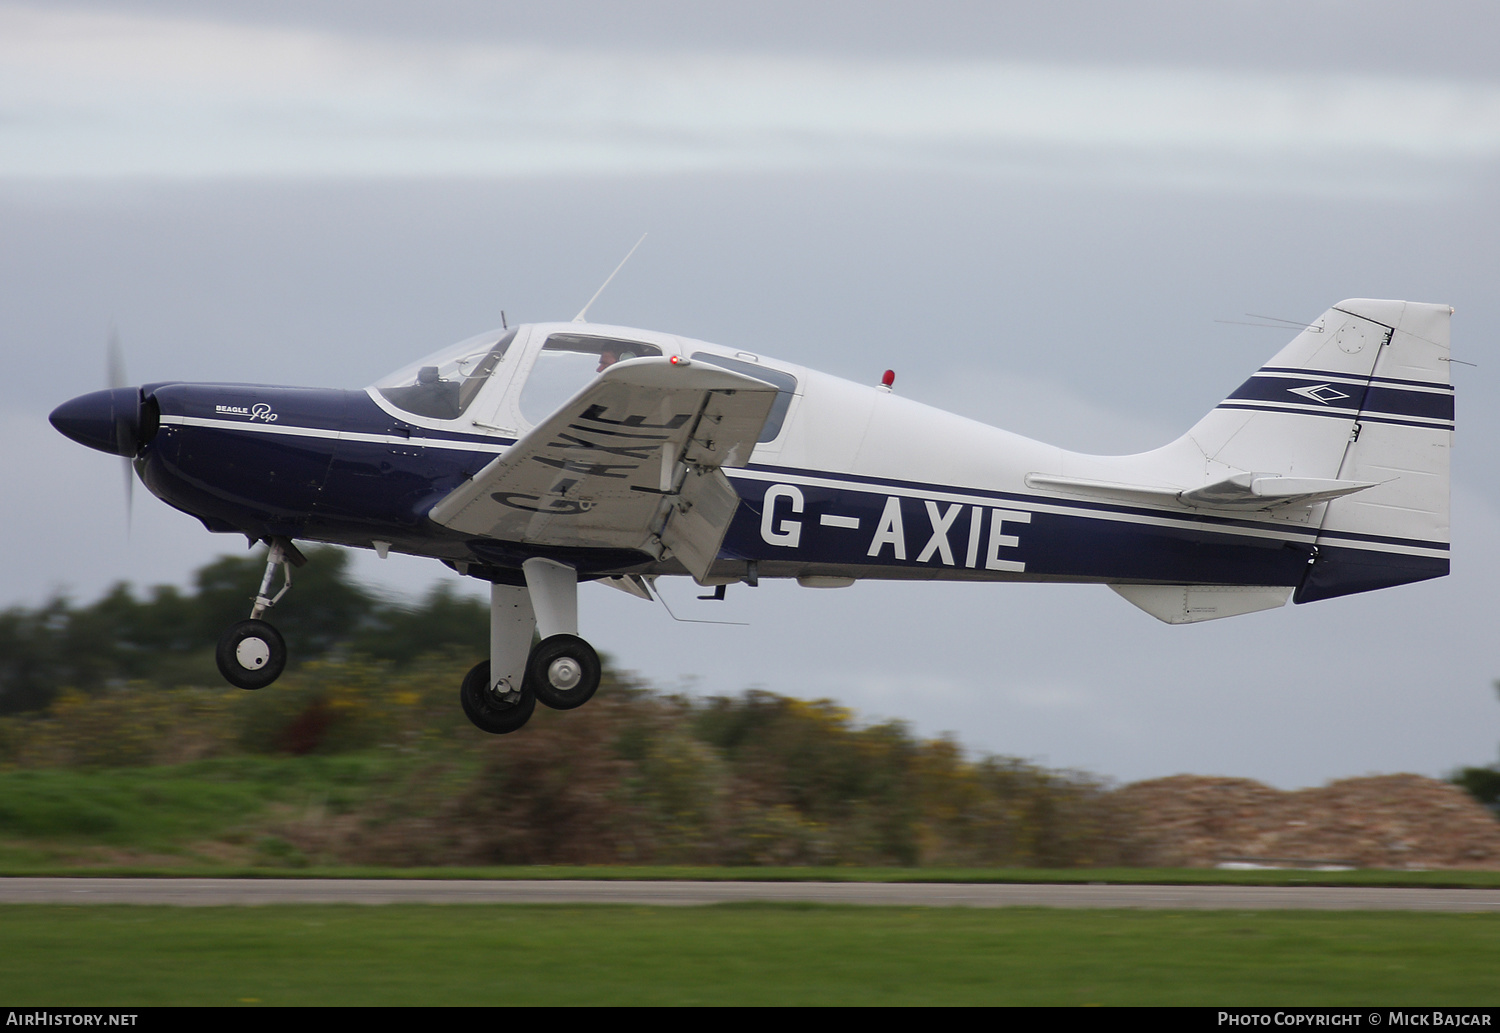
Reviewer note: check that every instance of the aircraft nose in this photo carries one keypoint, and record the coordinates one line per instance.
(107, 420)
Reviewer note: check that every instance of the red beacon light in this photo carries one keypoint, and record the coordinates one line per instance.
(889, 379)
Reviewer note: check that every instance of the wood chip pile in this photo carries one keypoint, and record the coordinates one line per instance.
(1385, 821)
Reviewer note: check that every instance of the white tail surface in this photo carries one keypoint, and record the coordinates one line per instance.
(1398, 530)
(1348, 432)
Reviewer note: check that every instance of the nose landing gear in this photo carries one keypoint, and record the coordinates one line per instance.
(252, 654)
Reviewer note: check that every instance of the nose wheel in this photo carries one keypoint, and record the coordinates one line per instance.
(251, 655)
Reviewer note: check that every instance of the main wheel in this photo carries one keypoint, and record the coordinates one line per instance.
(251, 655)
(489, 712)
(563, 671)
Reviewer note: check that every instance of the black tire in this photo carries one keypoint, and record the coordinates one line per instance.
(488, 712)
(563, 671)
(251, 655)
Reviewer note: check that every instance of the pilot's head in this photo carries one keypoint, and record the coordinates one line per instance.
(609, 356)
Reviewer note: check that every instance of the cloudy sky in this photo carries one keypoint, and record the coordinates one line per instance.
(1050, 217)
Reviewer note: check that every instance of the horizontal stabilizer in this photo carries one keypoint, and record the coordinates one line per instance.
(1241, 491)
(1252, 491)
(1188, 604)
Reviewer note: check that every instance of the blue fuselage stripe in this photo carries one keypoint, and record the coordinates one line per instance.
(332, 466)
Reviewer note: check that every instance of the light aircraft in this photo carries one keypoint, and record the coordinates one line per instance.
(549, 454)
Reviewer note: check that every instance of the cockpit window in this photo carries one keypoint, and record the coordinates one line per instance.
(566, 363)
(443, 385)
(786, 387)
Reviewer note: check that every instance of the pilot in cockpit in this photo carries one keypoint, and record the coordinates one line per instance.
(610, 355)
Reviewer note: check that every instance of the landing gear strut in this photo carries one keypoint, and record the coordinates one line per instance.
(252, 654)
(562, 672)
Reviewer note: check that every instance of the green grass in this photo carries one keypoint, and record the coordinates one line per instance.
(48, 815)
(738, 954)
(164, 821)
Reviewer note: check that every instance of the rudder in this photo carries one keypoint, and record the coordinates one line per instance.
(1396, 532)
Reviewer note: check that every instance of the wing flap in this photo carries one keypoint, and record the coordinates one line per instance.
(699, 520)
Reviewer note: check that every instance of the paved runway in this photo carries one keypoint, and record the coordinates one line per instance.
(218, 892)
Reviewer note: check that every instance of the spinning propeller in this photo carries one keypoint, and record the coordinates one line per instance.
(125, 436)
(118, 420)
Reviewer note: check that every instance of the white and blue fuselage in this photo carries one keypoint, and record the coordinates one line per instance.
(845, 482)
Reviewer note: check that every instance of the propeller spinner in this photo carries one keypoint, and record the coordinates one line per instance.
(117, 420)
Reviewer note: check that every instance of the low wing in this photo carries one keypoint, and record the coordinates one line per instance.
(1241, 491)
(631, 462)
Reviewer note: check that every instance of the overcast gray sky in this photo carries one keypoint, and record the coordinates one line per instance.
(1037, 214)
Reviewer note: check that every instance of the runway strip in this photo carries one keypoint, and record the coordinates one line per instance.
(220, 892)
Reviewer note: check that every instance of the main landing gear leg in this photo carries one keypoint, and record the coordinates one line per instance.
(252, 654)
(563, 669)
(562, 672)
(495, 695)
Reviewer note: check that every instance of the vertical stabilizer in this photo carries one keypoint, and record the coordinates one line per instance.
(1356, 413)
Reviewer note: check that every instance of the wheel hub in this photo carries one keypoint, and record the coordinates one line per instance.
(565, 673)
(502, 695)
(252, 653)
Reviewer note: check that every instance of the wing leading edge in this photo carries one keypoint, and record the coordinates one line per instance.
(631, 462)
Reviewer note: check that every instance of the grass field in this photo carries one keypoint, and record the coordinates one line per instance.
(738, 954)
(219, 818)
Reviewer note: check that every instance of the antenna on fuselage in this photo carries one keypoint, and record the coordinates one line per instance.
(584, 311)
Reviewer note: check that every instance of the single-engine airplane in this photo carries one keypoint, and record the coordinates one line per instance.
(544, 455)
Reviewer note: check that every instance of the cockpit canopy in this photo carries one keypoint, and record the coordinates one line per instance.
(555, 367)
(444, 384)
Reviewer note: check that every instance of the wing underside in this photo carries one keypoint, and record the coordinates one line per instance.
(631, 462)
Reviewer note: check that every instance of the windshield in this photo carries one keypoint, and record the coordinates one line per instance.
(567, 362)
(442, 385)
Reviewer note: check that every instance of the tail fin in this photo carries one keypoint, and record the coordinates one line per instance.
(1362, 396)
